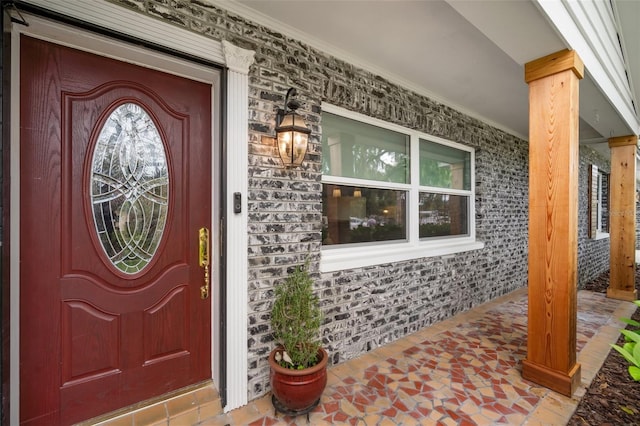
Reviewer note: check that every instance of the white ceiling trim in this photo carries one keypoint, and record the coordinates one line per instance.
(267, 21)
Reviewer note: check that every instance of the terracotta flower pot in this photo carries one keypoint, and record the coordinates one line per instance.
(298, 390)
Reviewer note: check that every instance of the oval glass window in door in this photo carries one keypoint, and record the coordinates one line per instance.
(129, 188)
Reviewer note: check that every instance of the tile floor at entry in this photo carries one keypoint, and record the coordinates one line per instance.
(462, 371)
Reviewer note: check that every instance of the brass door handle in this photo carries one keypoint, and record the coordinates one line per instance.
(204, 260)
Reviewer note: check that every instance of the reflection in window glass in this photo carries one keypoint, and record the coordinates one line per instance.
(443, 215)
(356, 215)
(444, 167)
(357, 150)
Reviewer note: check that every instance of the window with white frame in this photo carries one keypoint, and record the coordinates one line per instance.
(388, 187)
(598, 203)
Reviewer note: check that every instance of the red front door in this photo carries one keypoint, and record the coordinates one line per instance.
(115, 184)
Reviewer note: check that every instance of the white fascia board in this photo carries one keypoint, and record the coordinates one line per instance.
(580, 34)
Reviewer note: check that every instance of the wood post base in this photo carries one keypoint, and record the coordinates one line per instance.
(616, 293)
(559, 381)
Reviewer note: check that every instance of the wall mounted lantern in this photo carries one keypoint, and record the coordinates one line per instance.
(292, 133)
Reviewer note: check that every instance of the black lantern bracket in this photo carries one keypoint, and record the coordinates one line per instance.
(292, 105)
(292, 133)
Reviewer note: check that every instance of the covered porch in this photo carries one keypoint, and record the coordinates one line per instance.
(466, 369)
(462, 371)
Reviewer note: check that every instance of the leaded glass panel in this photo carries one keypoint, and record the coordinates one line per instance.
(129, 188)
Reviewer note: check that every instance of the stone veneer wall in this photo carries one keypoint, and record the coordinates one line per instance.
(593, 255)
(364, 307)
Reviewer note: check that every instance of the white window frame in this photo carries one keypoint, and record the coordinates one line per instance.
(338, 257)
(599, 211)
(600, 234)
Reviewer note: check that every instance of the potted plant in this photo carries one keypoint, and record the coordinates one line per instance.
(298, 365)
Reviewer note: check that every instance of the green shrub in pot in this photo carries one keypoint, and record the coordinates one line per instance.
(296, 318)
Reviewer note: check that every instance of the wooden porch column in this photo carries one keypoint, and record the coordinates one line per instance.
(553, 221)
(622, 218)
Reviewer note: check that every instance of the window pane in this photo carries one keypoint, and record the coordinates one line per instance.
(444, 167)
(358, 215)
(443, 215)
(358, 150)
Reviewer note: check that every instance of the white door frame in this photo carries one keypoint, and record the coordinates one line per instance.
(238, 61)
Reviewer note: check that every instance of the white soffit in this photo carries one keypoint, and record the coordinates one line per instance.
(516, 27)
(424, 46)
(521, 30)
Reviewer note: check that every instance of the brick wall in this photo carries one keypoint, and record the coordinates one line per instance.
(364, 307)
(593, 255)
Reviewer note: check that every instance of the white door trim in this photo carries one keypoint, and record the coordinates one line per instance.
(238, 61)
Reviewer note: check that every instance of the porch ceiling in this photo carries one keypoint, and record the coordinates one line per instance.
(467, 54)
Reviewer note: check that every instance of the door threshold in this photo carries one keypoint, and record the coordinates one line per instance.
(188, 405)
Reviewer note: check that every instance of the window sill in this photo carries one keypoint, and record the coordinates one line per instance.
(336, 259)
(601, 235)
